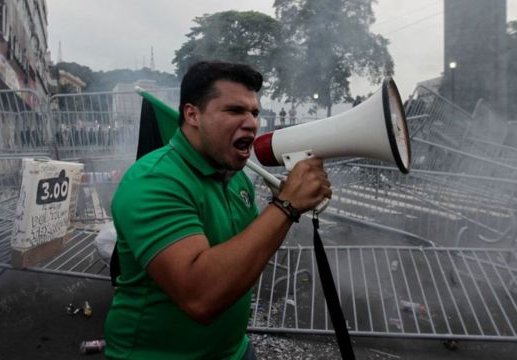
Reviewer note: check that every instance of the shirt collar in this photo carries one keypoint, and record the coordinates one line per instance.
(195, 159)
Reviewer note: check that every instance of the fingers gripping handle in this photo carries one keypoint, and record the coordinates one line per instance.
(290, 161)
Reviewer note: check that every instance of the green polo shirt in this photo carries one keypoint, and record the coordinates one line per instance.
(164, 197)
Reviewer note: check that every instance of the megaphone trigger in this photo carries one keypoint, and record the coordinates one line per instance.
(290, 159)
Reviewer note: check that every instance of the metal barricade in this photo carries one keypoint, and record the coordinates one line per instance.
(24, 133)
(430, 254)
(94, 124)
(473, 176)
(393, 291)
(101, 131)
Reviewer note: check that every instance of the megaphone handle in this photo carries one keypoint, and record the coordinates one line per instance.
(270, 178)
(290, 161)
(275, 182)
(322, 206)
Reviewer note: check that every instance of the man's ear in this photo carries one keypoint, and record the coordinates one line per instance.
(191, 115)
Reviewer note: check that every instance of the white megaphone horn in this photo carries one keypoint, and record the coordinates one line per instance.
(375, 129)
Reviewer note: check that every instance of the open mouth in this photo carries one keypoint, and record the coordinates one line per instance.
(243, 144)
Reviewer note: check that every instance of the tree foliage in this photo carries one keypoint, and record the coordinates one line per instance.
(328, 42)
(247, 37)
(313, 47)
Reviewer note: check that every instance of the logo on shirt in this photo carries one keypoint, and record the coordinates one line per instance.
(246, 198)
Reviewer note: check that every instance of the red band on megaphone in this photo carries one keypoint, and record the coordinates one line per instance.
(264, 150)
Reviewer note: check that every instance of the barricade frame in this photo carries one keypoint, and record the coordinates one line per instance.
(481, 267)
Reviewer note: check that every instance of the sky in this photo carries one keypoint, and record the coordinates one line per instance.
(116, 34)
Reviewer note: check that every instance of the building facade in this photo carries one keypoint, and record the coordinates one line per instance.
(74, 83)
(24, 55)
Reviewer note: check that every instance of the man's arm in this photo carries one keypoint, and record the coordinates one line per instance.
(204, 280)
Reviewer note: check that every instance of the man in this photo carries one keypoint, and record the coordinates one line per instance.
(191, 243)
(292, 116)
(282, 117)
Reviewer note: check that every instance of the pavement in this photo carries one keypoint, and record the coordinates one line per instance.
(35, 324)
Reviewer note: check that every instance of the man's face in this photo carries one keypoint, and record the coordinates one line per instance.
(227, 125)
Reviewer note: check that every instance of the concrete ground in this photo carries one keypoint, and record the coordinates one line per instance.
(35, 324)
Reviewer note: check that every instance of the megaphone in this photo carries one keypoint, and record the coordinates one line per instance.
(375, 129)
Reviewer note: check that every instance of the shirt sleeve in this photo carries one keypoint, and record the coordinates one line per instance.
(152, 213)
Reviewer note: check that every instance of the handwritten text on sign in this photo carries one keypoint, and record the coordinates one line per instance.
(43, 211)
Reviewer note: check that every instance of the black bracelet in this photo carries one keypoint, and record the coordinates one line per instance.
(285, 205)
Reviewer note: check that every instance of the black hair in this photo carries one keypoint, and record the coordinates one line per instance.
(197, 86)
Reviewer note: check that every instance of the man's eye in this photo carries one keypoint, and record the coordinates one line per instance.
(240, 111)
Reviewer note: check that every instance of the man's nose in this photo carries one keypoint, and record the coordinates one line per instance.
(251, 121)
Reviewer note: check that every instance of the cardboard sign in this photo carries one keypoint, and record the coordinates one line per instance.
(48, 196)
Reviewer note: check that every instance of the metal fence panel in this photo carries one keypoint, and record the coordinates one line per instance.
(101, 131)
(456, 209)
(392, 291)
(24, 132)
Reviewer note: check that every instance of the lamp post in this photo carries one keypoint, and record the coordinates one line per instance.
(452, 67)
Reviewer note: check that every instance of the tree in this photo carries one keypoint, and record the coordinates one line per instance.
(246, 37)
(329, 41)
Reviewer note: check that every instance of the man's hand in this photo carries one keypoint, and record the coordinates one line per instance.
(306, 185)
